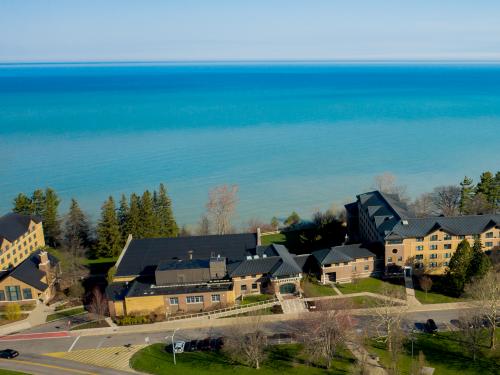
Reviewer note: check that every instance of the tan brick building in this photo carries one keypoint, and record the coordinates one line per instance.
(416, 242)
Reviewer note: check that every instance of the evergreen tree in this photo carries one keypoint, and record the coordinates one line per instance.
(163, 209)
(149, 222)
(123, 217)
(466, 195)
(496, 193)
(38, 202)
(50, 217)
(22, 205)
(76, 227)
(108, 231)
(487, 187)
(480, 263)
(134, 217)
(458, 268)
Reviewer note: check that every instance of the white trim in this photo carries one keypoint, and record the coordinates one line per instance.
(129, 239)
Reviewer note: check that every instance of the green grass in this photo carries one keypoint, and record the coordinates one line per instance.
(278, 238)
(88, 325)
(4, 321)
(100, 260)
(64, 314)
(24, 307)
(445, 353)
(276, 309)
(252, 298)
(313, 289)
(369, 284)
(281, 359)
(10, 372)
(433, 297)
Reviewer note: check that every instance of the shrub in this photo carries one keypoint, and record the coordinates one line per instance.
(132, 320)
(13, 311)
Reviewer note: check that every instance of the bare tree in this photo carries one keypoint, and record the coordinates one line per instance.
(485, 293)
(447, 200)
(472, 333)
(386, 183)
(221, 207)
(203, 226)
(326, 334)
(247, 343)
(254, 224)
(98, 304)
(426, 284)
(424, 205)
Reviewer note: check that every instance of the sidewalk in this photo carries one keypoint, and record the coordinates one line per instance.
(410, 293)
(362, 355)
(36, 317)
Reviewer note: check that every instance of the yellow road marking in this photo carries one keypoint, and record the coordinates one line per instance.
(50, 366)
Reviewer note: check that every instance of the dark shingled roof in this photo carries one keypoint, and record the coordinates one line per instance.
(454, 225)
(13, 225)
(27, 271)
(183, 265)
(340, 254)
(143, 255)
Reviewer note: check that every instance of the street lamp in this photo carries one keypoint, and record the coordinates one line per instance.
(173, 349)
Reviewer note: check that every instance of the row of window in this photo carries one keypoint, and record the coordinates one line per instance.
(448, 237)
(194, 299)
(446, 246)
(244, 287)
(13, 293)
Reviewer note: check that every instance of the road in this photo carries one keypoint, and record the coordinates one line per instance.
(32, 349)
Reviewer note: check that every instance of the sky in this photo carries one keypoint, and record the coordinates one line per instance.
(173, 30)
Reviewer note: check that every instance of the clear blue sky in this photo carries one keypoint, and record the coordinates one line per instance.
(74, 30)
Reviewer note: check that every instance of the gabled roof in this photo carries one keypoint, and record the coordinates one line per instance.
(28, 272)
(143, 255)
(14, 225)
(183, 265)
(340, 254)
(454, 225)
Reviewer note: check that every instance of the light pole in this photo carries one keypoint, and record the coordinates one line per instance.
(173, 349)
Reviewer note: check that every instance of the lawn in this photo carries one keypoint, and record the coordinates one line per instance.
(281, 359)
(24, 307)
(100, 260)
(445, 353)
(432, 297)
(4, 321)
(66, 313)
(369, 284)
(313, 289)
(88, 325)
(357, 302)
(10, 372)
(252, 298)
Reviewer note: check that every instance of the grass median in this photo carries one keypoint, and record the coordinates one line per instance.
(65, 313)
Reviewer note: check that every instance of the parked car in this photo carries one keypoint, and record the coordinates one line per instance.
(311, 305)
(179, 346)
(430, 326)
(8, 353)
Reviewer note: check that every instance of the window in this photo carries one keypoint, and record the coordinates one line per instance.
(400, 259)
(445, 264)
(420, 239)
(419, 257)
(394, 251)
(434, 256)
(447, 237)
(13, 293)
(434, 237)
(489, 235)
(346, 263)
(389, 259)
(27, 293)
(488, 244)
(367, 268)
(461, 237)
(395, 242)
(366, 258)
(447, 255)
(447, 246)
(336, 264)
(215, 297)
(254, 286)
(243, 287)
(174, 300)
(2, 295)
(420, 247)
(433, 264)
(434, 247)
(194, 299)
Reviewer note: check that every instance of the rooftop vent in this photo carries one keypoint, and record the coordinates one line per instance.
(264, 255)
(405, 222)
(255, 256)
(249, 257)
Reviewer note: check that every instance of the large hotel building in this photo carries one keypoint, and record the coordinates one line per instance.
(410, 241)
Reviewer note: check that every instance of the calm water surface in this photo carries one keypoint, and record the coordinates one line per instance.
(291, 136)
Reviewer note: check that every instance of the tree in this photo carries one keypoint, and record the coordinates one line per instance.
(108, 231)
(292, 220)
(480, 263)
(423, 206)
(123, 217)
(466, 195)
(386, 183)
(38, 200)
(456, 275)
(221, 206)
(163, 210)
(50, 217)
(472, 333)
(22, 205)
(76, 240)
(487, 186)
(247, 343)
(426, 284)
(447, 200)
(13, 311)
(150, 226)
(98, 304)
(275, 223)
(203, 226)
(133, 225)
(485, 293)
(479, 205)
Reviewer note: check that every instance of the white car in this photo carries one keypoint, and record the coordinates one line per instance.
(179, 346)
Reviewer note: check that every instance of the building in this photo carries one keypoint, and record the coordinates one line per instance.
(34, 279)
(416, 242)
(198, 273)
(20, 235)
(343, 263)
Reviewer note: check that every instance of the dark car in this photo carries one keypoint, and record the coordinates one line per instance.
(430, 326)
(8, 353)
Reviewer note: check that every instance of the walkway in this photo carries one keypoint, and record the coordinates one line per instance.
(36, 317)
(410, 293)
(292, 305)
(362, 355)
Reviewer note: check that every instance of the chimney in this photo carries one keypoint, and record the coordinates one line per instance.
(190, 254)
(259, 242)
(44, 264)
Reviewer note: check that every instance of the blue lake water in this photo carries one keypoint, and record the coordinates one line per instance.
(292, 136)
